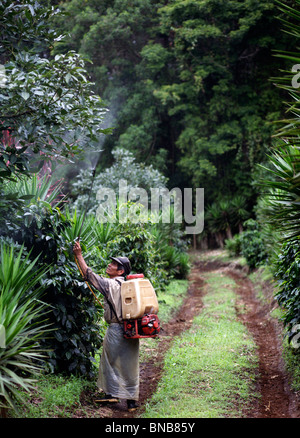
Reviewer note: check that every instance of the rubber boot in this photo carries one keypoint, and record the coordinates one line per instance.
(131, 405)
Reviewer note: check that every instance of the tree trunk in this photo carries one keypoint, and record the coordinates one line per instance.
(229, 233)
(219, 239)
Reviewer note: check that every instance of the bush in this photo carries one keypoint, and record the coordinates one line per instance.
(249, 244)
(124, 168)
(233, 246)
(42, 227)
(287, 273)
(252, 244)
(134, 241)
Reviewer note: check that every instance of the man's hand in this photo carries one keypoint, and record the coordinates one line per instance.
(77, 249)
(79, 257)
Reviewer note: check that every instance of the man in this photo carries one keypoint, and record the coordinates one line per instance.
(119, 363)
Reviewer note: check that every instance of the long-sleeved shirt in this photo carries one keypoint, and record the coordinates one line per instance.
(110, 288)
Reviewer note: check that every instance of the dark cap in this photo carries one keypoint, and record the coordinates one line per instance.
(124, 262)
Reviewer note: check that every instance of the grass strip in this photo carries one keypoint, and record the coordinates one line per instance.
(55, 396)
(209, 370)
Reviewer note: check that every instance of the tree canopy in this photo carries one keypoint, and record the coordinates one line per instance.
(48, 107)
(187, 82)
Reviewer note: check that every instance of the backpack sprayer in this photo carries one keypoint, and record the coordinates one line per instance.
(139, 308)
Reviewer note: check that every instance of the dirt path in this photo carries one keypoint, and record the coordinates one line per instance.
(277, 401)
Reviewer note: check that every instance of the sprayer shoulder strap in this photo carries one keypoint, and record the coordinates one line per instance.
(112, 308)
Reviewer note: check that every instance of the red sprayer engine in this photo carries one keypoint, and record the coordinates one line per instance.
(139, 308)
(146, 327)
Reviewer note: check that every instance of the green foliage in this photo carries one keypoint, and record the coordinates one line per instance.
(279, 212)
(289, 126)
(22, 314)
(58, 396)
(281, 202)
(30, 196)
(126, 168)
(148, 243)
(252, 245)
(287, 272)
(171, 247)
(48, 107)
(208, 42)
(279, 206)
(153, 250)
(187, 83)
(47, 231)
(233, 246)
(134, 241)
(226, 216)
(50, 112)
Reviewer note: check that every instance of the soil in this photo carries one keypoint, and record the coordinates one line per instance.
(276, 399)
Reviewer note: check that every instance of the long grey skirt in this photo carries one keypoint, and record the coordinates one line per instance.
(119, 365)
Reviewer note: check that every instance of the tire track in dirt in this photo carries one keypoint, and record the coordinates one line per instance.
(277, 400)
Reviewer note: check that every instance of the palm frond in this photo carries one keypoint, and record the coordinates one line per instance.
(20, 307)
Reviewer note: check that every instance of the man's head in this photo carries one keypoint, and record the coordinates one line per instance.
(120, 266)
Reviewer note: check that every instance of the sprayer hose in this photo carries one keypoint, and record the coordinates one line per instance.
(87, 283)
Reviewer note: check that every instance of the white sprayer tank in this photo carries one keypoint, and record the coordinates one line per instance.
(138, 297)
